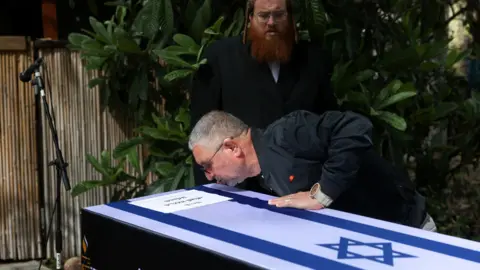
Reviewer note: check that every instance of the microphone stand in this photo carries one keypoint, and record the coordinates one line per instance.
(60, 167)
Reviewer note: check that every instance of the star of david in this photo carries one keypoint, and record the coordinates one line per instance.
(386, 258)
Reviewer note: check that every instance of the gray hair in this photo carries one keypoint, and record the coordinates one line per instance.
(214, 127)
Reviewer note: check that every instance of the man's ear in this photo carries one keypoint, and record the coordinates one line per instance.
(232, 146)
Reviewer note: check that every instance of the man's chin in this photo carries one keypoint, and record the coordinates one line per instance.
(230, 183)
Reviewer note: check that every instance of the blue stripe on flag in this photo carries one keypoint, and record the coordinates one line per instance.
(435, 246)
(262, 246)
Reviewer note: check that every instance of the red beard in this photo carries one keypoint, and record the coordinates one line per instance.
(276, 49)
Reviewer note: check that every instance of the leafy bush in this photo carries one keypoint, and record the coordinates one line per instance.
(139, 48)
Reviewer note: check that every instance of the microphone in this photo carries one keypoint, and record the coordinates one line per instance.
(26, 75)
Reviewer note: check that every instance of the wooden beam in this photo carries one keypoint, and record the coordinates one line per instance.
(50, 44)
(49, 19)
(13, 43)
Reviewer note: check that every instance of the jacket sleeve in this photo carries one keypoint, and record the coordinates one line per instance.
(349, 137)
(205, 97)
(340, 137)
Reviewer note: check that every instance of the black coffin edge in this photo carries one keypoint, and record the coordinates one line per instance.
(108, 243)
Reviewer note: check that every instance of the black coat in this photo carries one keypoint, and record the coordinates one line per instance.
(234, 82)
(334, 149)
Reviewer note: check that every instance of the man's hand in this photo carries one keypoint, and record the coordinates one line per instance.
(300, 200)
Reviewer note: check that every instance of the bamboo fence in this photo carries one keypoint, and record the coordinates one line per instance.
(82, 129)
(19, 211)
(28, 184)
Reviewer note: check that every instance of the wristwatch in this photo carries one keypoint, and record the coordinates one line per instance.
(317, 194)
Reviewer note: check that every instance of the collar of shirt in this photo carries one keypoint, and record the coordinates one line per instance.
(260, 148)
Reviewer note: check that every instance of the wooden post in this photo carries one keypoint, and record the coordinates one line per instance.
(49, 19)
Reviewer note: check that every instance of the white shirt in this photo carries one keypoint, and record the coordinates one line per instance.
(275, 69)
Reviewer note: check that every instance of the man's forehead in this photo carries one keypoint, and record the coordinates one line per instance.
(269, 4)
(200, 153)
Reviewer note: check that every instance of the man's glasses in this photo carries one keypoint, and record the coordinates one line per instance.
(278, 15)
(206, 165)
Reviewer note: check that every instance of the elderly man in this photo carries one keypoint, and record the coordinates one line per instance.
(263, 74)
(312, 161)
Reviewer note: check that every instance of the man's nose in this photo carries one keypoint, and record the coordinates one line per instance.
(270, 21)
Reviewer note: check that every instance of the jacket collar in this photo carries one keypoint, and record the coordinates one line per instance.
(259, 145)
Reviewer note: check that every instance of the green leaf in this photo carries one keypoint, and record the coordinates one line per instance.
(77, 39)
(165, 168)
(211, 32)
(196, 66)
(423, 115)
(215, 28)
(238, 21)
(178, 50)
(167, 20)
(120, 14)
(185, 41)
(172, 59)
(125, 43)
(395, 99)
(428, 66)
(191, 179)
(189, 160)
(139, 86)
(87, 185)
(387, 91)
(153, 133)
(119, 174)
(92, 47)
(183, 117)
(157, 152)
(164, 134)
(95, 63)
(332, 31)
(316, 19)
(364, 75)
(433, 50)
(152, 22)
(190, 12)
(445, 108)
(132, 157)
(106, 159)
(155, 16)
(231, 27)
(455, 56)
(98, 167)
(157, 187)
(96, 81)
(392, 119)
(397, 59)
(201, 21)
(178, 74)
(125, 147)
(358, 98)
(178, 177)
(339, 79)
(100, 30)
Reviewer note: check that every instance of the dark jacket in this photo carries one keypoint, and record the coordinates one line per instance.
(334, 149)
(234, 82)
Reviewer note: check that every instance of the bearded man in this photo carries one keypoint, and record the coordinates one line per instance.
(262, 75)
